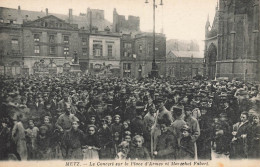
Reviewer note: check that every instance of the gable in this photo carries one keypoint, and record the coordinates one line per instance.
(171, 55)
(51, 22)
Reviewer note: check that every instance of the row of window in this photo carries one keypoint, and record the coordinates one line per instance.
(97, 47)
(51, 38)
(149, 49)
(52, 50)
(51, 24)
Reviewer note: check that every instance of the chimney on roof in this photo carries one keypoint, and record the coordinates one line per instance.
(70, 16)
(90, 20)
(46, 10)
(19, 10)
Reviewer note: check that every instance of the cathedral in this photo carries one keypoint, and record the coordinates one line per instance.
(232, 46)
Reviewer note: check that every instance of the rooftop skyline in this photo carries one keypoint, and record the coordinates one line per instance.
(182, 19)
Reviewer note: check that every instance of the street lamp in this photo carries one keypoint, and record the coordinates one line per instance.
(154, 72)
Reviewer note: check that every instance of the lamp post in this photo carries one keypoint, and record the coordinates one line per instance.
(154, 72)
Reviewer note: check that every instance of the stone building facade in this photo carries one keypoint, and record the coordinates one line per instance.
(41, 42)
(28, 37)
(104, 52)
(184, 64)
(51, 39)
(36, 46)
(128, 56)
(143, 50)
(232, 47)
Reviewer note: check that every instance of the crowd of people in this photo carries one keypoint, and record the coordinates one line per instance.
(70, 116)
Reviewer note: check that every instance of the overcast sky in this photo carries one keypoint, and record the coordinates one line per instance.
(180, 19)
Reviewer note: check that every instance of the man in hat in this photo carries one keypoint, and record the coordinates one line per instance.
(149, 118)
(206, 135)
(108, 110)
(130, 111)
(65, 120)
(194, 126)
(166, 145)
(137, 124)
(106, 141)
(223, 135)
(54, 104)
(81, 116)
(170, 101)
(62, 104)
(72, 142)
(37, 110)
(163, 114)
(4, 138)
(178, 123)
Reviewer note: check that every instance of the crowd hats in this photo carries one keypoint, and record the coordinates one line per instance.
(177, 111)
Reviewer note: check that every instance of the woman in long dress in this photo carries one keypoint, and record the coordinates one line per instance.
(91, 145)
(18, 136)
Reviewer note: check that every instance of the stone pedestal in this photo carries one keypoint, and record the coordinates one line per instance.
(75, 68)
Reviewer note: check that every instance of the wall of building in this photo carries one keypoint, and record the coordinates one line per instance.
(104, 60)
(58, 56)
(237, 45)
(184, 67)
(11, 49)
(144, 52)
(128, 59)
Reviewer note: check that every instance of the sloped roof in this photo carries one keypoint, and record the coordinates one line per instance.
(20, 15)
(171, 55)
(195, 54)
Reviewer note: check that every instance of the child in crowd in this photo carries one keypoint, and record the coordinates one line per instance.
(91, 145)
(186, 150)
(127, 137)
(31, 135)
(116, 126)
(138, 152)
(125, 127)
(47, 123)
(43, 149)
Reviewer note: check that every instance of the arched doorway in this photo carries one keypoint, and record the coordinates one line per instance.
(211, 61)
